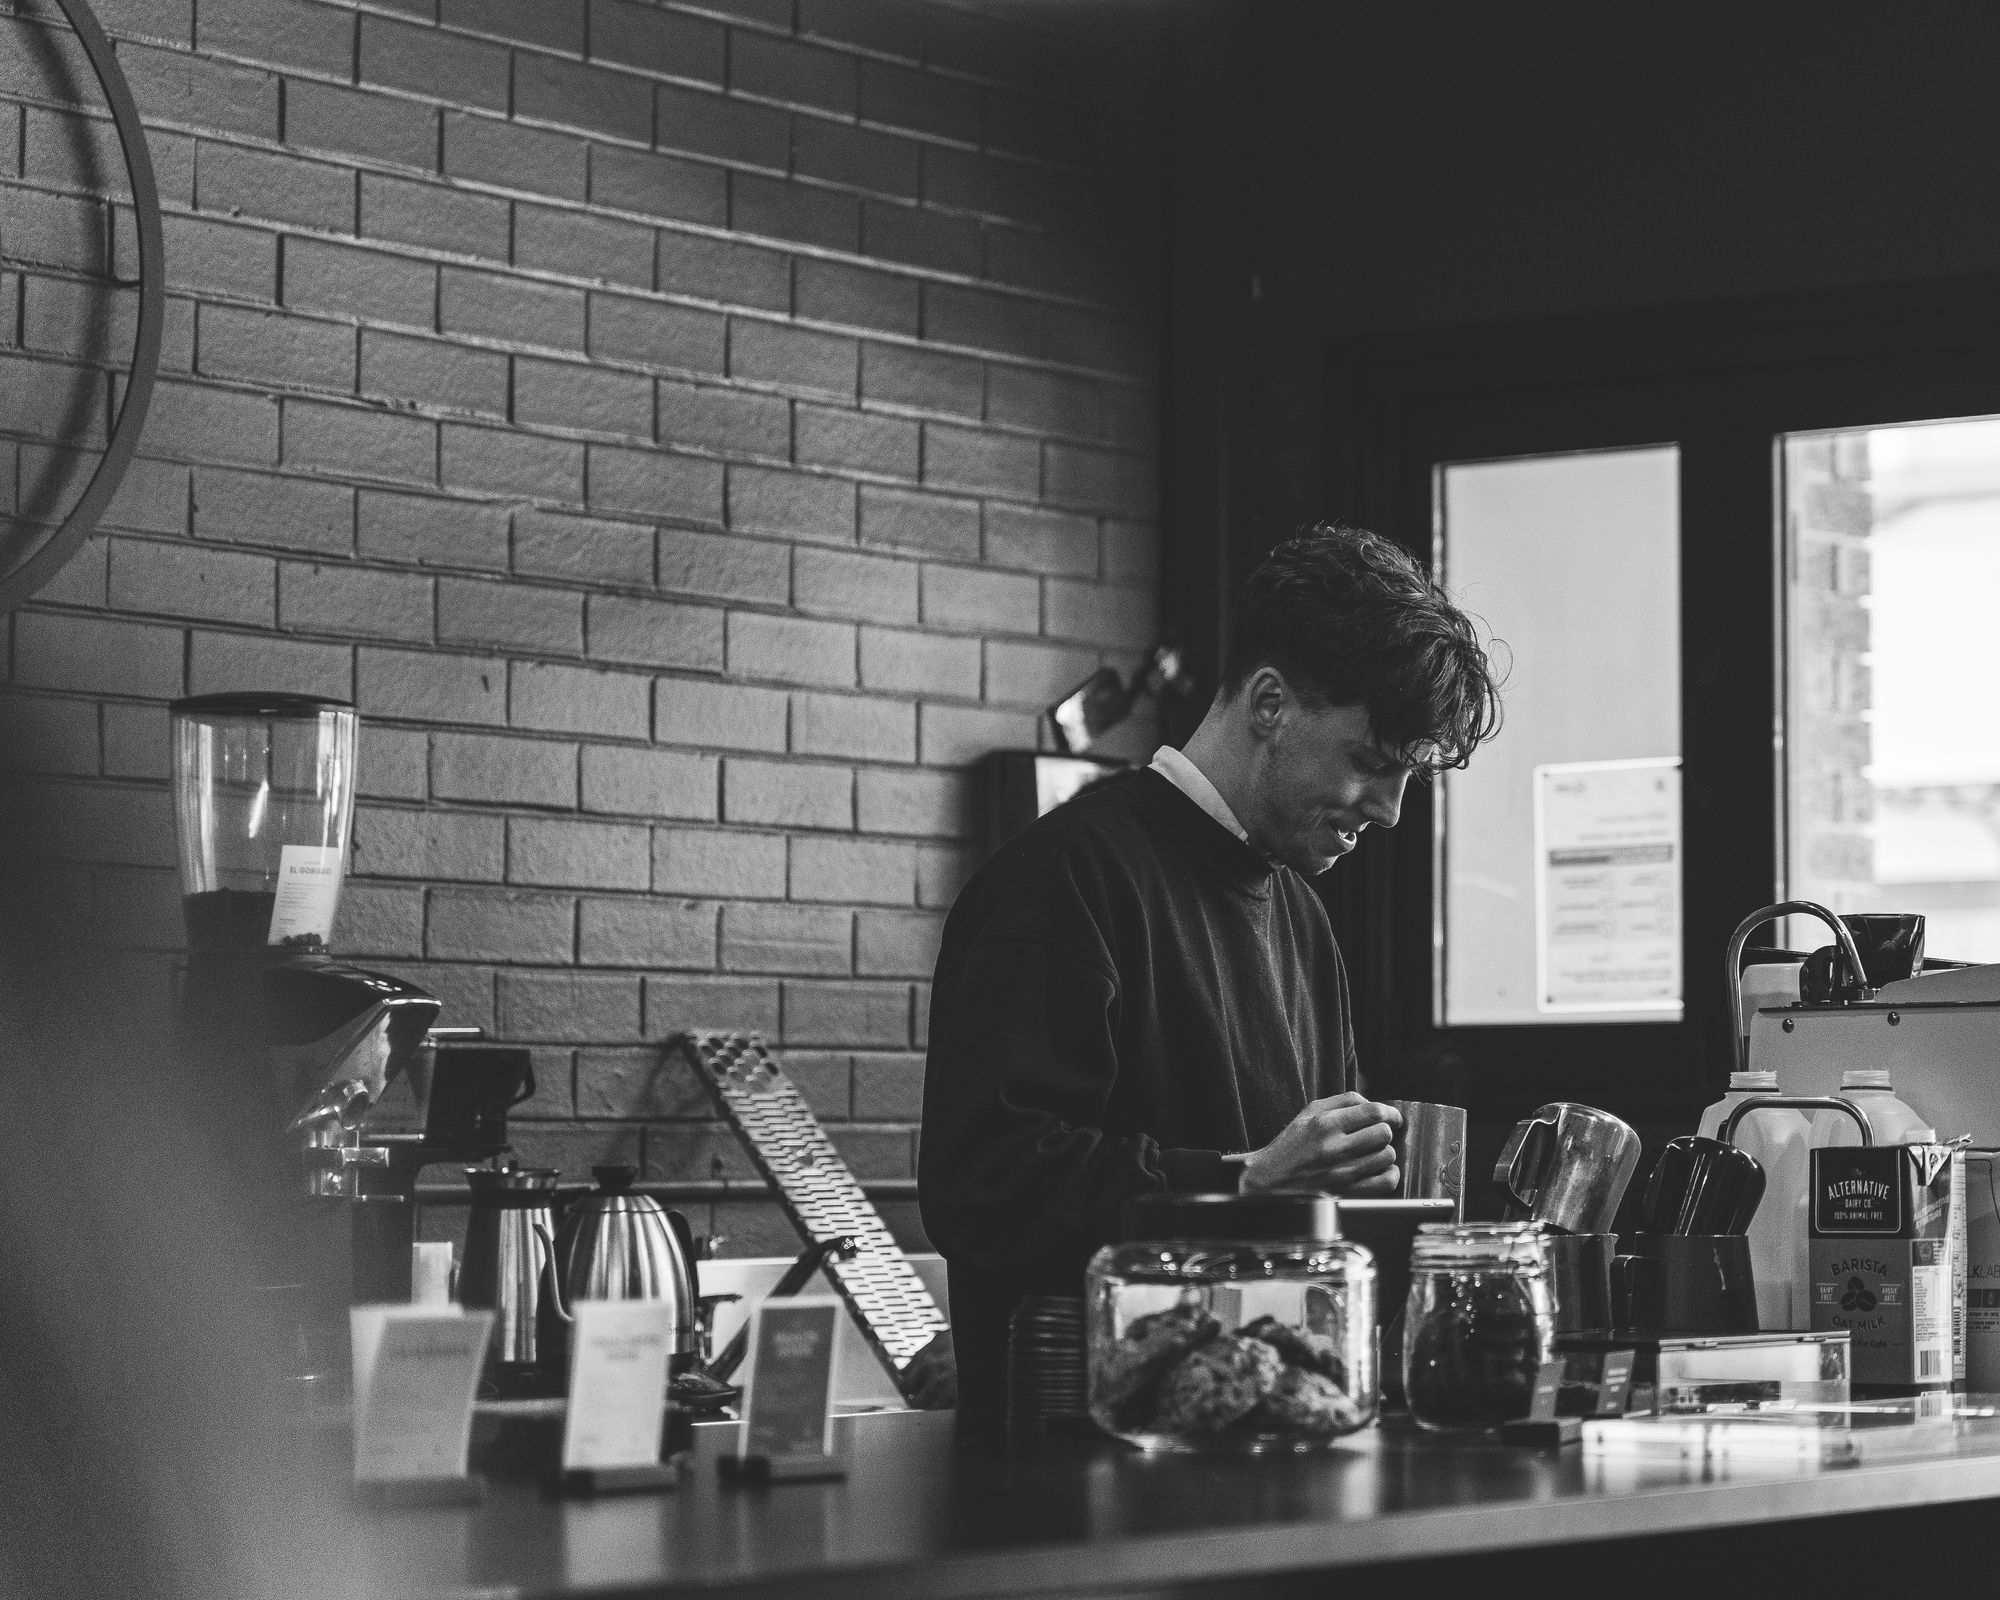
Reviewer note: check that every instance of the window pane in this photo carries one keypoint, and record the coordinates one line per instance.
(1559, 848)
(1892, 744)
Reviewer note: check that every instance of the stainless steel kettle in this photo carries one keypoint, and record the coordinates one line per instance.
(1568, 1165)
(617, 1245)
(509, 1266)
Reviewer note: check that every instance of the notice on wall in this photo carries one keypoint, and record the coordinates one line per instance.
(1608, 886)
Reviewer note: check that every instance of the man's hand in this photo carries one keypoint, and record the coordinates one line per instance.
(930, 1381)
(1343, 1144)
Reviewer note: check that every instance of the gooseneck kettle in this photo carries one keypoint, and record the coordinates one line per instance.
(617, 1245)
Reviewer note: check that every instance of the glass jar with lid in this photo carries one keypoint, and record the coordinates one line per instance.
(1232, 1323)
(1479, 1323)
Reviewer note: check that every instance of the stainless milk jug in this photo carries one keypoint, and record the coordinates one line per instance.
(1568, 1165)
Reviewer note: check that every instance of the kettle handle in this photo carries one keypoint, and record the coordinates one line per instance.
(1524, 1150)
(555, 1277)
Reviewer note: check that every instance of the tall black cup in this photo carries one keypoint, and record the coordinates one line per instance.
(1703, 1186)
(1685, 1283)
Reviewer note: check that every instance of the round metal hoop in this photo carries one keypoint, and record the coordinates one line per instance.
(48, 559)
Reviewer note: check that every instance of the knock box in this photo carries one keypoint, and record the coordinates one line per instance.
(1887, 1249)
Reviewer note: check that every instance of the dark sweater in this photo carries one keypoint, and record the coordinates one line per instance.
(1125, 991)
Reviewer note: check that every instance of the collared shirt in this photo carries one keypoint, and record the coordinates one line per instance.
(1185, 776)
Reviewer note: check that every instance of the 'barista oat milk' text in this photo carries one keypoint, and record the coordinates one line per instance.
(1888, 1260)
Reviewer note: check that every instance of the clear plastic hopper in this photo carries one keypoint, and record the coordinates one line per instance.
(263, 796)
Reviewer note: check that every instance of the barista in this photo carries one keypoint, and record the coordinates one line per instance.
(1141, 992)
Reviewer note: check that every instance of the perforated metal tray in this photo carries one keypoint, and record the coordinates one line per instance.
(816, 1189)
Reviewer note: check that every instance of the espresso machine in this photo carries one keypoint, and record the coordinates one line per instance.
(1871, 999)
(293, 1047)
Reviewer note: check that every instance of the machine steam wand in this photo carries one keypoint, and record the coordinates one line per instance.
(1732, 975)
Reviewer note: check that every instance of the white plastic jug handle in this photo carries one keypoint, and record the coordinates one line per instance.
(1794, 1102)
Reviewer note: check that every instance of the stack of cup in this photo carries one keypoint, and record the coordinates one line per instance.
(1045, 1364)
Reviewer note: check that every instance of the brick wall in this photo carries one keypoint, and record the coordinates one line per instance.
(1831, 516)
(691, 433)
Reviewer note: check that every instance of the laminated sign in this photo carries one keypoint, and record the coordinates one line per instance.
(1608, 886)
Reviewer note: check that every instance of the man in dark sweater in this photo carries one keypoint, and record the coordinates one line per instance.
(1141, 992)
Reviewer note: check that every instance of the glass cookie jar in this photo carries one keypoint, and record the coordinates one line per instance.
(1232, 1323)
(1479, 1323)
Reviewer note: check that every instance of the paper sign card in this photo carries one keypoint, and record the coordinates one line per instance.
(416, 1372)
(617, 1383)
(789, 1408)
(1548, 1389)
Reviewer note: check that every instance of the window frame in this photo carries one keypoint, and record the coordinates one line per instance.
(1723, 382)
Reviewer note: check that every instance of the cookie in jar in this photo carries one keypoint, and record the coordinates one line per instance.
(1232, 1323)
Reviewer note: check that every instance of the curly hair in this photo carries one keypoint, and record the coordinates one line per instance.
(1351, 619)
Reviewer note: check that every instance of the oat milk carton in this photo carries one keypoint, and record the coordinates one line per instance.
(1888, 1247)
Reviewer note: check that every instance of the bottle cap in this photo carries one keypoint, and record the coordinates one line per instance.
(1758, 1082)
(1865, 1078)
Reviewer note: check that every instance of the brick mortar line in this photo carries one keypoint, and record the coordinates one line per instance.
(398, 250)
(923, 138)
(353, 399)
(514, 653)
(584, 585)
(375, 166)
(750, 25)
(693, 599)
(1042, 501)
(501, 813)
(788, 757)
(588, 586)
(688, 376)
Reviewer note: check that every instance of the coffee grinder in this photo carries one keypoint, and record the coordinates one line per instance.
(292, 1046)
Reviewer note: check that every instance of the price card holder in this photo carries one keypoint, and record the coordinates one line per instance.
(416, 1371)
(1614, 1389)
(788, 1418)
(617, 1399)
(1541, 1426)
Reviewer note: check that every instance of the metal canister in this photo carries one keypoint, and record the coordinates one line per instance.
(509, 1266)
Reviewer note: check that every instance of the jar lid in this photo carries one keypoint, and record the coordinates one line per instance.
(1480, 1243)
(1767, 1081)
(1269, 1214)
(252, 704)
(1865, 1078)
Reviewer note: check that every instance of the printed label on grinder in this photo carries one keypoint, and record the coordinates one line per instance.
(308, 891)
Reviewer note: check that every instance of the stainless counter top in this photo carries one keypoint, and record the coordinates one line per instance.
(915, 1517)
